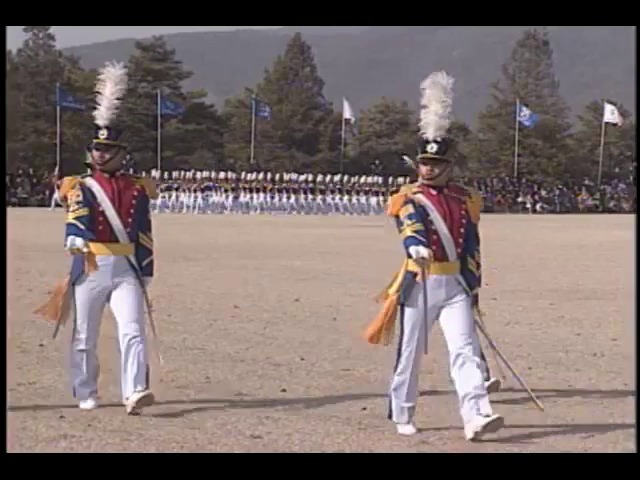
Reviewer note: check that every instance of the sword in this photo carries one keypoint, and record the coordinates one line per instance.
(147, 302)
(508, 365)
(425, 302)
(56, 330)
(480, 318)
(152, 323)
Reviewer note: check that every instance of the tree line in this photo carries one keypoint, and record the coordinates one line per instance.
(304, 130)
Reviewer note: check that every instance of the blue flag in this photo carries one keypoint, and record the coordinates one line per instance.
(171, 108)
(67, 101)
(526, 117)
(262, 109)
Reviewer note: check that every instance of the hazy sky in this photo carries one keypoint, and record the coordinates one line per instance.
(71, 36)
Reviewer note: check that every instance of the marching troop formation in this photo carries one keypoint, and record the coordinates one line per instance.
(264, 193)
(109, 235)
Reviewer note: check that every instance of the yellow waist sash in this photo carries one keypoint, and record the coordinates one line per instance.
(115, 249)
(440, 268)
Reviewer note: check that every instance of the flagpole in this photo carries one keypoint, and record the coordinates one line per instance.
(515, 159)
(342, 143)
(58, 127)
(601, 145)
(253, 127)
(159, 114)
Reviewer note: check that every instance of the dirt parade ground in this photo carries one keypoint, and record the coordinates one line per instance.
(261, 319)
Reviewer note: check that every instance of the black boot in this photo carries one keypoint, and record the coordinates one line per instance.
(487, 372)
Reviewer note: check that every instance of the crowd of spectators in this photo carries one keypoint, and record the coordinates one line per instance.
(27, 188)
(523, 195)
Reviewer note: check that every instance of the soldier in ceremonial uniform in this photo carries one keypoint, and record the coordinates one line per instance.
(109, 234)
(438, 223)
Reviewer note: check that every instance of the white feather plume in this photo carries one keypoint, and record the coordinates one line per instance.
(409, 161)
(436, 105)
(111, 86)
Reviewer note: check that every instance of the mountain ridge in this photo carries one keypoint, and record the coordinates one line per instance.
(364, 64)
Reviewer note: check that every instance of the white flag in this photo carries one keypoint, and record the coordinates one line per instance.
(347, 111)
(611, 114)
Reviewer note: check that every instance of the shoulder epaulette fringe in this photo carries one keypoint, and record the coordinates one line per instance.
(395, 203)
(149, 185)
(474, 201)
(397, 200)
(66, 185)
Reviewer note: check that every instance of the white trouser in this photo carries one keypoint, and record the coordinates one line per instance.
(451, 306)
(116, 284)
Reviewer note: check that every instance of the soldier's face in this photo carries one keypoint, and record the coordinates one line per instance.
(107, 157)
(433, 170)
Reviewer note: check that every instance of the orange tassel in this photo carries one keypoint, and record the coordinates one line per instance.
(381, 329)
(57, 308)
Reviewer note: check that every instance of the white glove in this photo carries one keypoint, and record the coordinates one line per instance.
(417, 252)
(76, 244)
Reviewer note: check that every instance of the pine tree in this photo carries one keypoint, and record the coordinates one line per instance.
(151, 67)
(331, 144)
(385, 131)
(463, 136)
(196, 138)
(192, 140)
(32, 74)
(14, 123)
(527, 76)
(77, 126)
(236, 115)
(301, 132)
